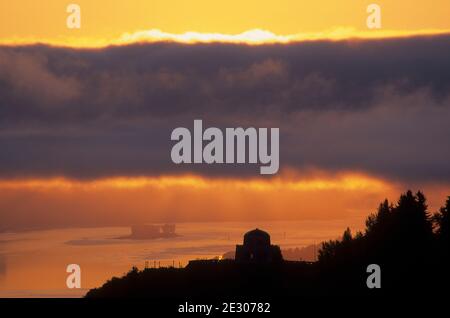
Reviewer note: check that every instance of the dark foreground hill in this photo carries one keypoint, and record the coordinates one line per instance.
(410, 246)
(207, 278)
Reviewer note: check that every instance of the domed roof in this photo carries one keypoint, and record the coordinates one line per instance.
(258, 236)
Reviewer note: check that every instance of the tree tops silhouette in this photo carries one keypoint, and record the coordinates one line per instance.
(404, 239)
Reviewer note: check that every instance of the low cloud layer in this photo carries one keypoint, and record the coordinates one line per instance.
(378, 106)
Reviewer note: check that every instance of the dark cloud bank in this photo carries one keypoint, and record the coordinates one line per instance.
(379, 106)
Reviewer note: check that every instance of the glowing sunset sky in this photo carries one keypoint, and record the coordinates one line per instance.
(85, 134)
(106, 21)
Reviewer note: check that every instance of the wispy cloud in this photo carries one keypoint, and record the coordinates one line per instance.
(248, 37)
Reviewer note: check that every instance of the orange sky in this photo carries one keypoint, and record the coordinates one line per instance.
(347, 196)
(106, 21)
(336, 197)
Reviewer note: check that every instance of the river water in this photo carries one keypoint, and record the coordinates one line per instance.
(33, 264)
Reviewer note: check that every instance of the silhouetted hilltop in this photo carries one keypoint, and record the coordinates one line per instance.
(208, 278)
(307, 253)
(410, 245)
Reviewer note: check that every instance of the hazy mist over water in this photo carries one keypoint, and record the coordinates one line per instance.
(33, 264)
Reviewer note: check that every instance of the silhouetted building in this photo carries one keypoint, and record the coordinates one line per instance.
(257, 248)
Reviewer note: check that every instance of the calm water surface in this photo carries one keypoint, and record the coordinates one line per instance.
(33, 264)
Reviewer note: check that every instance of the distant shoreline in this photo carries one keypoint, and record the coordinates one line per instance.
(133, 237)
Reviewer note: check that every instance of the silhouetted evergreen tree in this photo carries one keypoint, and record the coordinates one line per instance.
(442, 220)
(413, 227)
(398, 238)
(380, 218)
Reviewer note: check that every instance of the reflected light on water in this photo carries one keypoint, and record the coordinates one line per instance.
(33, 264)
